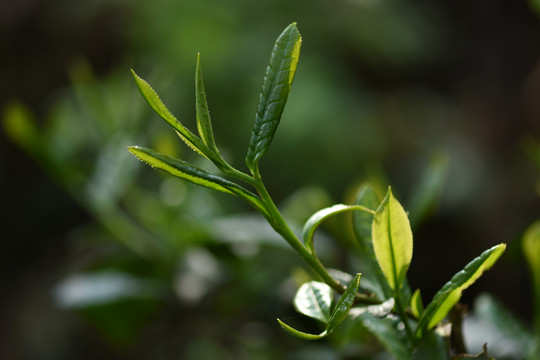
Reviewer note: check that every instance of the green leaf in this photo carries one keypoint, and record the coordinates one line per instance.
(204, 124)
(433, 346)
(417, 306)
(275, 91)
(451, 292)
(316, 219)
(301, 334)
(389, 333)
(362, 221)
(314, 299)
(186, 171)
(531, 250)
(338, 314)
(185, 134)
(392, 240)
(344, 304)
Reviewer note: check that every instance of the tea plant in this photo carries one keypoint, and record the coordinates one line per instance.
(381, 299)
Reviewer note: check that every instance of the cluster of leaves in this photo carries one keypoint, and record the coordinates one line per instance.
(381, 299)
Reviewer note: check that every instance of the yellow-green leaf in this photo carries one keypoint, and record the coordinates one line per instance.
(392, 240)
(451, 292)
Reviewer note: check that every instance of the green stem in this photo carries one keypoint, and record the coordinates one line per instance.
(402, 314)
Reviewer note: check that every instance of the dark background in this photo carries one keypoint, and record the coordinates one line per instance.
(381, 86)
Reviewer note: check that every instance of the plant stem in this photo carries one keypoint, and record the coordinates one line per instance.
(402, 314)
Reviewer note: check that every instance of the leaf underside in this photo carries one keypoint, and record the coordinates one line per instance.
(314, 299)
(275, 91)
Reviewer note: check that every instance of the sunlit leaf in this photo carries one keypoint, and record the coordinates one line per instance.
(204, 124)
(314, 299)
(155, 102)
(275, 91)
(392, 240)
(417, 306)
(362, 222)
(451, 292)
(186, 171)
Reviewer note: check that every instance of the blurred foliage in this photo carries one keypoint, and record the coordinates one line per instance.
(422, 95)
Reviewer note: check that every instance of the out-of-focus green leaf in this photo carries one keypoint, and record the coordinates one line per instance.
(417, 306)
(186, 171)
(433, 346)
(362, 222)
(275, 91)
(531, 250)
(392, 240)
(204, 124)
(339, 313)
(451, 292)
(316, 219)
(20, 126)
(427, 192)
(155, 102)
(379, 310)
(505, 325)
(314, 299)
(389, 333)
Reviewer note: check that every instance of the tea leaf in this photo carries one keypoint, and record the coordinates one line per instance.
(204, 124)
(344, 304)
(388, 333)
(392, 240)
(314, 299)
(316, 219)
(275, 91)
(155, 102)
(451, 292)
(301, 334)
(433, 346)
(417, 307)
(186, 171)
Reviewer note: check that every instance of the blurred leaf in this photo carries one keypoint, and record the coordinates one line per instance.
(204, 124)
(20, 126)
(433, 346)
(417, 306)
(314, 299)
(380, 310)
(275, 91)
(428, 190)
(505, 324)
(392, 240)
(390, 333)
(531, 250)
(451, 292)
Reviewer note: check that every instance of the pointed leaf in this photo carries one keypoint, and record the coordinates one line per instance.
(362, 221)
(204, 124)
(192, 174)
(451, 292)
(314, 299)
(392, 240)
(344, 304)
(417, 307)
(301, 334)
(316, 219)
(275, 91)
(155, 102)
